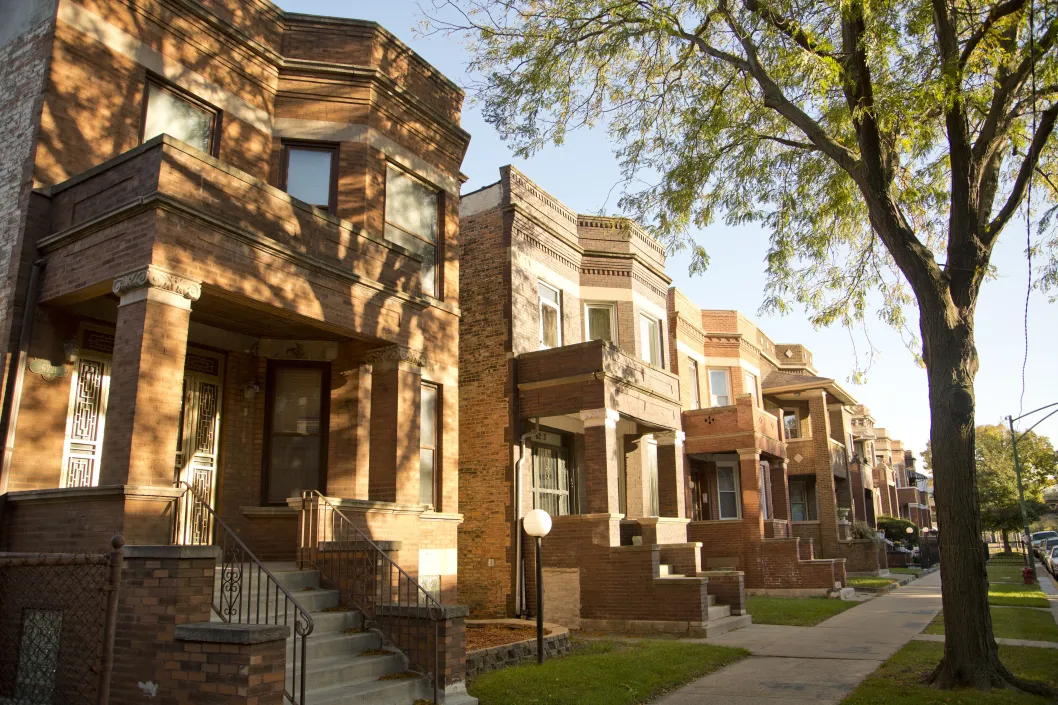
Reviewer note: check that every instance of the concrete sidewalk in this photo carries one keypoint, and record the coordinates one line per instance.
(816, 665)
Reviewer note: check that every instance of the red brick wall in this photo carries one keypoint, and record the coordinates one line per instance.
(863, 556)
(206, 672)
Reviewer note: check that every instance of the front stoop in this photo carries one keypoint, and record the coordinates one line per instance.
(338, 671)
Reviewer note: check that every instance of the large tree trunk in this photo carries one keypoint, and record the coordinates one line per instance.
(971, 657)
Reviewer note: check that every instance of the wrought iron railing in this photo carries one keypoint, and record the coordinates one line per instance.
(366, 577)
(246, 592)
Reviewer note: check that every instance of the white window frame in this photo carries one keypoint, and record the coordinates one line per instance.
(727, 375)
(750, 380)
(540, 311)
(435, 292)
(731, 465)
(696, 383)
(797, 415)
(764, 469)
(804, 499)
(611, 308)
(654, 342)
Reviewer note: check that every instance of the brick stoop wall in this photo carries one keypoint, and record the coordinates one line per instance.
(240, 664)
(864, 555)
(495, 658)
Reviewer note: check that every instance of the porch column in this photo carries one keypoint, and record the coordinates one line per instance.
(396, 381)
(146, 380)
(671, 474)
(780, 488)
(752, 518)
(600, 461)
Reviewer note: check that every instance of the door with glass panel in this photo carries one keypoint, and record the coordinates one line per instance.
(296, 434)
(197, 441)
(551, 479)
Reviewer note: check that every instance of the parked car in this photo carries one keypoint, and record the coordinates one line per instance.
(1040, 536)
(1051, 558)
(1046, 546)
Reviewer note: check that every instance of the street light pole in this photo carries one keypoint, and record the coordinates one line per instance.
(537, 524)
(1029, 559)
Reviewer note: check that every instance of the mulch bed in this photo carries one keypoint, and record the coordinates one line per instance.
(486, 636)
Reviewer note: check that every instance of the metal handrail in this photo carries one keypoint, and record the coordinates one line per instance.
(241, 573)
(367, 578)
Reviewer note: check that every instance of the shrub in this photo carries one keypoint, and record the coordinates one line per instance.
(895, 529)
(863, 530)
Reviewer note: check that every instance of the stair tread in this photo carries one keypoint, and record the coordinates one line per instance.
(327, 663)
(365, 686)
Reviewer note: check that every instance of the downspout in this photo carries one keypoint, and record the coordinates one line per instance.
(14, 395)
(519, 599)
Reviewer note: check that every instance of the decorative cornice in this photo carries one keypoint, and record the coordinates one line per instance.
(152, 277)
(668, 438)
(397, 353)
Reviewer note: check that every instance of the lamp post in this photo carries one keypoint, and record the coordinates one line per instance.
(537, 524)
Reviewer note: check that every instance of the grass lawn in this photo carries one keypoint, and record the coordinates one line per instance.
(907, 571)
(1005, 573)
(795, 611)
(1013, 623)
(604, 673)
(899, 680)
(873, 582)
(1014, 595)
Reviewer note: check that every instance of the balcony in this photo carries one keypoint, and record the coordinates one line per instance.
(596, 375)
(167, 204)
(726, 428)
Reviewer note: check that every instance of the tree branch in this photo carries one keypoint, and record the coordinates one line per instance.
(789, 28)
(997, 13)
(1021, 183)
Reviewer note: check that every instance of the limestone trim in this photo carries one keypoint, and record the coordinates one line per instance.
(668, 438)
(600, 417)
(64, 494)
(748, 454)
(154, 277)
(396, 354)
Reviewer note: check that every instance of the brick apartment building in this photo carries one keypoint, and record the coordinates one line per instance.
(568, 403)
(229, 256)
(767, 448)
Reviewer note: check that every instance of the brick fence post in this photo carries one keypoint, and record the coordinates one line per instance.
(237, 664)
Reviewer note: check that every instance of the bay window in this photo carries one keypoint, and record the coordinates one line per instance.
(550, 309)
(719, 388)
(178, 114)
(412, 216)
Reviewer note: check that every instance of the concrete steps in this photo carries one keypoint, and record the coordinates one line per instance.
(345, 663)
(727, 624)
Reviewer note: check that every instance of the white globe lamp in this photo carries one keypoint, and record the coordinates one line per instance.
(537, 524)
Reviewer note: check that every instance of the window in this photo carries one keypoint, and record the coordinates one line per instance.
(696, 395)
(650, 345)
(727, 491)
(791, 423)
(764, 510)
(749, 386)
(798, 501)
(719, 389)
(652, 477)
(550, 316)
(412, 220)
(180, 115)
(310, 173)
(428, 433)
(552, 475)
(297, 429)
(600, 322)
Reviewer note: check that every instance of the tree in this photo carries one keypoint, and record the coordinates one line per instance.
(997, 480)
(885, 146)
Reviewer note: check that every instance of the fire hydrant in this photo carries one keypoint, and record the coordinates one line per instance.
(1028, 575)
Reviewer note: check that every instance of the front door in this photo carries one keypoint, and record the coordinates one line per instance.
(196, 445)
(551, 479)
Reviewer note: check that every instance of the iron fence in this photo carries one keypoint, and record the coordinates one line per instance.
(367, 578)
(1012, 551)
(57, 618)
(246, 592)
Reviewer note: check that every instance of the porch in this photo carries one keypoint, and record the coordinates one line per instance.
(194, 324)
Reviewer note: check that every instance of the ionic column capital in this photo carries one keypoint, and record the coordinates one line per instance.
(394, 356)
(669, 438)
(152, 283)
(600, 417)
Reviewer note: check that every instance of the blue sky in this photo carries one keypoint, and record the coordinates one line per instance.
(582, 174)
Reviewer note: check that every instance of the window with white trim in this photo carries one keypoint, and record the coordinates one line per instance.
(550, 315)
(765, 511)
(749, 386)
(719, 388)
(727, 491)
(600, 322)
(650, 340)
(429, 422)
(791, 423)
(412, 220)
(696, 395)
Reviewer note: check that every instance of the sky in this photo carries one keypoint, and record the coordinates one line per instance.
(582, 174)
